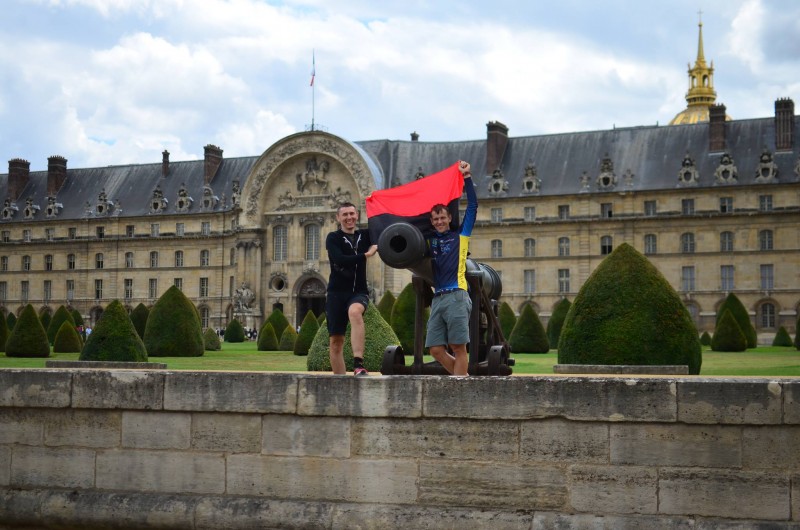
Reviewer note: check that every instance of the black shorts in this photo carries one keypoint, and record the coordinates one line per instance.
(336, 307)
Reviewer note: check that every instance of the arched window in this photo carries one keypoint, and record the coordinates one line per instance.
(179, 258)
(530, 248)
(279, 241)
(497, 248)
(767, 319)
(650, 244)
(98, 260)
(312, 242)
(153, 259)
(606, 244)
(204, 258)
(765, 240)
(726, 242)
(563, 246)
(687, 243)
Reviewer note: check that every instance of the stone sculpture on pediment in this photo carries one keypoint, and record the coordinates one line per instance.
(497, 183)
(184, 202)
(585, 181)
(687, 174)
(628, 178)
(767, 170)
(286, 201)
(210, 200)
(606, 179)
(158, 203)
(726, 172)
(315, 173)
(30, 209)
(9, 209)
(531, 183)
(243, 298)
(339, 196)
(235, 194)
(104, 206)
(53, 207)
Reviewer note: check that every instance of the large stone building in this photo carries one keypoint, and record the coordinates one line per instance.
(714, 203)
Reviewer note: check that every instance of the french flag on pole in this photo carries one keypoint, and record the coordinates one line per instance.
(313, 69)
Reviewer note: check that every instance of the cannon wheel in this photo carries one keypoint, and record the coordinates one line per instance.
(392, 355)
(493, 360)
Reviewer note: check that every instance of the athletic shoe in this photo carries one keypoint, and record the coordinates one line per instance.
(360, 371)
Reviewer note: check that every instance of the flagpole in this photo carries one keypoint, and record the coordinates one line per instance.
(313, 73)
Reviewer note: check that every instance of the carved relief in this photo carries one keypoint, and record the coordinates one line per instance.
(158, 203)
(585, 181)
(767, 170)
(726, 172)
(688, 175)
(53, 208)
(498, 185)
(184, 202)
(30, 209)
(103, 206)
(235, 195)
(315, 173)
(606, 179)
(243, 298)
(531, 183)
(628, 178)
(312, 287)
(210, 200)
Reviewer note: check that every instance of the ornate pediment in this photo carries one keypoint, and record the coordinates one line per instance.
(158, 203)
(688, 175)
(497, 184)
(30, 209)
(606, 180)
(726, 172)
(184, 202)
(767, 170)
(531, 183)
(9, 209)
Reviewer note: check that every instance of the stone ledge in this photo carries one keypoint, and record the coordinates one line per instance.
(112, 365)
(655, 369)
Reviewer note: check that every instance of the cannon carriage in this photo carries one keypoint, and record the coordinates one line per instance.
(402, 246)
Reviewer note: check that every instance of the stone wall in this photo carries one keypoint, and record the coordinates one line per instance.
(127, 449)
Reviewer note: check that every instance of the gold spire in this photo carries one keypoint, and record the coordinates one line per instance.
(701, 94)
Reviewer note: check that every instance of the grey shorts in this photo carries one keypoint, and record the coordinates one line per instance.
(449, 320)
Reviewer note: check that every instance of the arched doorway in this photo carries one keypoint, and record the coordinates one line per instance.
(310, 297)
(94, 315)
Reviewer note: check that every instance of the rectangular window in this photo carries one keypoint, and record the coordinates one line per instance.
(726, 204)
(530, 281)
(98, 261)
(26, 236)
(70, 289)
(606, 210)
(6, 236)
(101, 232)
(687, 278)
(179, 229)
(231, 287)
(767, 278)
(98, 289)
(130, 230)
(155, 229)
(726, 277)
(178, 282)
(129, 260)
(49, 234)
(153, 288)
(24, 288)
(650, 244)
(71, 262)
(48, 262)
(204, 258)
(563, 211)
(128, 288)
(497, 215)
(26, 263)
(312, 242)
(530, 213)
(4, 263)
(279, 239)
(497, 248)
(650, 209)
(72, 232)
(203, 287)
(205, 228)
(765, 203)
(687, 206)
(3, 291)
(563, 280)
(47, 289)
(153, 260)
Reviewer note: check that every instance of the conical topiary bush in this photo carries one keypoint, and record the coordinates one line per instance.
(139, 317)
(507, 319)
(705, 339)
(797, 333)
(114, 338)
(556, 321)
(173, 327)
(379, 335)
(386, 304)
(211, 340)
(267, 341)
(67, 339)
(627, 313)
(308, 329)
(728, 336)
(11, 320)
(234, 332)
(61, 315)
(742, 317)
(76, 317)
(321, 318)
(782, 338)
(288, 338)
(277, 320)
(45, 318)
(3, 334)
(28, 338)
(402, 320)
(528, 335)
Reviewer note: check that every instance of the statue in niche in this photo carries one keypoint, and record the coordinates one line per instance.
(244, 297)
(315, 173)
(236, 194)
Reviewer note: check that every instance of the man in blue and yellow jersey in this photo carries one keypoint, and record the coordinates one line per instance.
(450, 310)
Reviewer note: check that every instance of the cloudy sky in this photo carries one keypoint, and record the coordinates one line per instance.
(107, 82)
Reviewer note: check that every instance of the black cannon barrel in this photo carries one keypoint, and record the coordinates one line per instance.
(402, 246)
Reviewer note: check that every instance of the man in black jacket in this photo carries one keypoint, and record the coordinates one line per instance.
(347, 296)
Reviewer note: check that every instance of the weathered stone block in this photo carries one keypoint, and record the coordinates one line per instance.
(676, 445)
(325, 479)
(35, 388)
(729, 401)
(117, 389)
(156, 430)
(83, 428)
(439, 438)
(796, 497)
(290, 435)
(776, 447)
(559, 441)
(161, 471)
(492, 484)
(214, 513)
(614, 489)
(46, 466)
(22, 426)
(565, 521)
(230, 433)
(253, 392)
(791, 401)
(360, 397)
(5, 466)
(360, 516)
(19, 508)
(722, 493)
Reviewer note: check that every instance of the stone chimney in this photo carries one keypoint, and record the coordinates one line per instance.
(19, 172)
(784, 124)
(165, 164)
(56, 174)
(414, 136)
(496, 142)
(213, 160)
(716, 128)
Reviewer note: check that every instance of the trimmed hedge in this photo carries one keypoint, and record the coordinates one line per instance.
(556, 321)
(308, 329)
(705, 339)
(278, 320)
(386, 304)
(173, 327)
(402, 321)
(28, 338)
(45, 318)
(234, 332)
(114, 338)
(528, 335)
(67, 339)
(11, 320)
(728, 336)
(507, 319)
(288, 338)
(782, 338)
(76, 317)
(211, 340)
(267, 341)
(742, 317)
(139, 317)
(61, 315)
(3, 334)
(627, 313)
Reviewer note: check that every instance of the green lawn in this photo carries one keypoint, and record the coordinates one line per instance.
(765, 360)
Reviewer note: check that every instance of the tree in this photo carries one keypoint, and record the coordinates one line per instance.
(728, 336)
(288, 338)
(507, 319)
(402, 320)
(67, 339)
(61, 315)
(797, 333)
(277, 319)
(556, 321)
(379, 335)
(234, 332)
(211, 340)
(28, 338)
(386, 304)
(173, 327)
(308, 329)
(627, 313)
(782, 338)
(139, 317)
(76, 317)
(11, 320)
(3, 334)
(528, 335)
(45, 318)
(114, 338)
(267, 341)
(705, 339)
(742, 317)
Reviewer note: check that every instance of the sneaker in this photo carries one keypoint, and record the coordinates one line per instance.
(360, 371)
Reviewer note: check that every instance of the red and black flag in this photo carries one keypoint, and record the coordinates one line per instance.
(412, 203)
